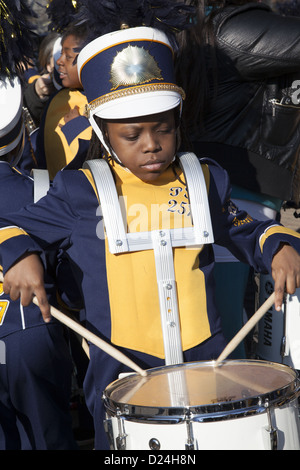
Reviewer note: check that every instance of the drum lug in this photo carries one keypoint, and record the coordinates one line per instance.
(270, 429)
(189, 427)
(121, 438)
(121, 442)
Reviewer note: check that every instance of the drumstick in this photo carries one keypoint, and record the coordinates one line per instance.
(89, 336)
(100, 343)
(246, 329)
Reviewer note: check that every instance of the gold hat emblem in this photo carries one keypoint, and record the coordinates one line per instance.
(133, 66)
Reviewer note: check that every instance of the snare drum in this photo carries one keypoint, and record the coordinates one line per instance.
(235, 406)
(279, 332)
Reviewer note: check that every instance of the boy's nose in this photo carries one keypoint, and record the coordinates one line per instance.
(150, 142)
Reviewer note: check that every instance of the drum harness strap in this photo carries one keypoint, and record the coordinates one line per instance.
(161, 241)
(41, 183)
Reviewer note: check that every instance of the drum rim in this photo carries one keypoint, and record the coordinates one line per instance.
(206, 412)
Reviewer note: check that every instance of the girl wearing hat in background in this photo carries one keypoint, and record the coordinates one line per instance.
(64, 132)
(134, 108)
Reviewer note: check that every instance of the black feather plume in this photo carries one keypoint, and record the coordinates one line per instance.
(105, 16)
(61, 13)
(16, 38)
(288, 8)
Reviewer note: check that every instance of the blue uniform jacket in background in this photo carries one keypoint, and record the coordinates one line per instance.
(16, 192)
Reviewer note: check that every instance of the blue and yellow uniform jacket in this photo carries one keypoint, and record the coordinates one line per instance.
(16, 192)
(120, 291)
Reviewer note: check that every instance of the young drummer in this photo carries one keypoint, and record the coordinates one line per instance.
(134, 108)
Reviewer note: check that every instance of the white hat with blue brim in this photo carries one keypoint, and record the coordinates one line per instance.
(56, 55)
(11, 115)
(129, 73)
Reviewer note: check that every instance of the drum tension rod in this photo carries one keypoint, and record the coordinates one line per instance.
(121, 438)
(189, 427)
(271, 429)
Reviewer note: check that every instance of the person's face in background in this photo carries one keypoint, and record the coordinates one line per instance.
(67, 66)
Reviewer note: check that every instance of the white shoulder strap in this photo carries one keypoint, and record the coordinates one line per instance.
(161, 242)
(110, 206)
(197, 192)
(120, 241)
(41, 183)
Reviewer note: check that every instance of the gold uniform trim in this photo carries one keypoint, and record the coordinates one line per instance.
(132, 91)
(7, 233)
(277, 229)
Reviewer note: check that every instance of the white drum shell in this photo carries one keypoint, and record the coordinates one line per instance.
(248, 433)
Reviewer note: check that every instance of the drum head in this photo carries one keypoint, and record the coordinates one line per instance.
(200, 386)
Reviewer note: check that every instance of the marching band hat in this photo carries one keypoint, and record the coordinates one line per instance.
(129, 73)
(11, 115)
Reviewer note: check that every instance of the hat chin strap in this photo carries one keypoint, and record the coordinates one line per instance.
(102, 140)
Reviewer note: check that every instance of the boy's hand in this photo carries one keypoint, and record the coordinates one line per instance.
(24, 280)
(285, 272)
